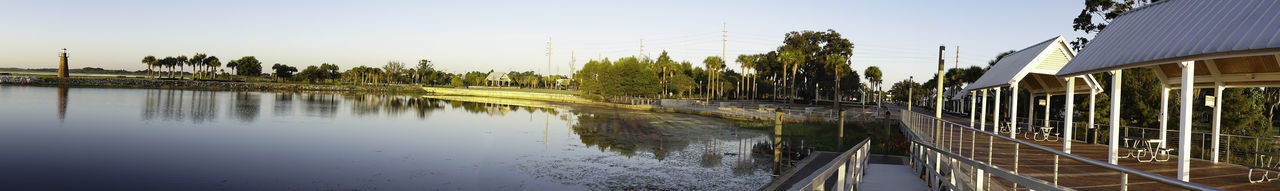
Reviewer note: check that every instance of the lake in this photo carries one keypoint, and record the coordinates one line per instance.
(150, 139)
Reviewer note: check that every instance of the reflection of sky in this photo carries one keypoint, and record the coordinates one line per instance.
(172, 139)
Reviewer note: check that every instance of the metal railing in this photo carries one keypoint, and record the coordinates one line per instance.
(848, 169)
(989, 164)
(1235, 149)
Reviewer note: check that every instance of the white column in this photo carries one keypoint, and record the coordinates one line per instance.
(1164, 115)
(1217, 119)
(1031, 112)
(1093, 94)
(973, 101)
(995, 113)
(982, 120)
(1068, 109)
(1047, 102)
(1013, 110)
(1184, 129)
(1114, 138)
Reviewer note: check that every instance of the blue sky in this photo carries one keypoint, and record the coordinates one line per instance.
(899, 36)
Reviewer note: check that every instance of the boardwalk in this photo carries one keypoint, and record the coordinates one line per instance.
(1078, 175)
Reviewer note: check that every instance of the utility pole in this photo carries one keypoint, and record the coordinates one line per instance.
(641, 48)
(724, 41)
(958, 67)
(937, 108)
(572, 60)
(910, 91)
(548, 57)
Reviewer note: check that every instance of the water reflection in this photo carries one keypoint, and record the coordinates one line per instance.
(321, 105)
(179, 105)
(283, 104)
(327, 141)
(62, 104)
(245, 106)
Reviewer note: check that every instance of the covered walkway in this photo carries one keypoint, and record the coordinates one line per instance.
(1078, 175)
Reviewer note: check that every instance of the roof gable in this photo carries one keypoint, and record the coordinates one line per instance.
(1045, 57)
(1180, 30)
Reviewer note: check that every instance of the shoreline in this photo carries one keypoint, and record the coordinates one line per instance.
(733, 114)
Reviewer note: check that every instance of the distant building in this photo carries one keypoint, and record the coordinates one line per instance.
(500, 78)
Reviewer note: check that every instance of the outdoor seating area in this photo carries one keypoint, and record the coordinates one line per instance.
(1266, 165)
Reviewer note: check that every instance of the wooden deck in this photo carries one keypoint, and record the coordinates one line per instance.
(1078, 175)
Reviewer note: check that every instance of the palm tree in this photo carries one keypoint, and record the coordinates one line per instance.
(211, 63)
(794, 59)
(181, 61)
(747, 61)
(873, 76)
(838, 64)
(150, 61)
(196, 62)
(232, 65)
(713, 63)
(164, 63)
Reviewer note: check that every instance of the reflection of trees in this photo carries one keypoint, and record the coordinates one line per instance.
(493, 109)
(425, 106)
(626, 135)
(283, 104)
(204, 106)
(245, 106)
(323, 105)
(179, 105)
(363, 105)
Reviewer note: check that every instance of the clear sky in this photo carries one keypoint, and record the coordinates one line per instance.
(899, 36)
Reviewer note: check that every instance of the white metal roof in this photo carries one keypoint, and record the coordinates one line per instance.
(1033, 68)
(1180, 30)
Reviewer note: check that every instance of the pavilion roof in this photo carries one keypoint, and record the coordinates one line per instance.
(1033, 68)
(1235, 42)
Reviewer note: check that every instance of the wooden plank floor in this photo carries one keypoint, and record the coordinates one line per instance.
(1078, 175)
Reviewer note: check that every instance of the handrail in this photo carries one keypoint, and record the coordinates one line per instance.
(1144, 174)
(840, 165)
(1042, 185)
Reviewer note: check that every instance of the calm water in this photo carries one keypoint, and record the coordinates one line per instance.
(137, 139)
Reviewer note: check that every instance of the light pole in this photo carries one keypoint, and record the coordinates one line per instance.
(910, 90)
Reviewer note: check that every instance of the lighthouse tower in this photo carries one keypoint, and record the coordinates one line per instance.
(62, 64)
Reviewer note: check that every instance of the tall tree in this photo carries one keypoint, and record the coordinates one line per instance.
(838, 64)
(425, 72)
(233, 64)
(747, 62)
(283, 71)
(248, 66)
(393, 70)
(150, 61)
(181, 62)
(874, 77)
(1107, 9)
(212, 63)
(196, 62)
(714, 64)
(794, 59)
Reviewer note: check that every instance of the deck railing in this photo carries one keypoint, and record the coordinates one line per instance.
(1234, 149)
(944, 162)
(848, 169)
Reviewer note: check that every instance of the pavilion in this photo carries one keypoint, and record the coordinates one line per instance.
(1189, 44)
(1031, 69)
(501, 78)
